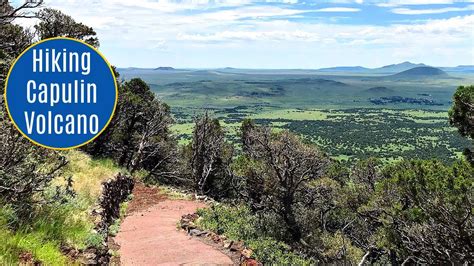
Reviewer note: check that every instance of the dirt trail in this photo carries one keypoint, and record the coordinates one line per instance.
(149, 236)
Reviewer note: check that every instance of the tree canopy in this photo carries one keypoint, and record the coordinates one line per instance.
(54, 23)
(461, 114)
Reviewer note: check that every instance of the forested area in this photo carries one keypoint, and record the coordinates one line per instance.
(285, 198)
(392, 136)
(412, 211)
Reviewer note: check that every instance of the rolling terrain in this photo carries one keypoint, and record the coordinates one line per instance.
(392, 112)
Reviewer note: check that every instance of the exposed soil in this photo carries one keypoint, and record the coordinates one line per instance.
(26, 258)
(149, 234)
(144, 197)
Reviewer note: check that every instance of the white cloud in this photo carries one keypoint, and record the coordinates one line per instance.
(408, 11)
(175, 5)
(337, 9)
(250, 12)
(395, 3)
(179, 5)
(453, 28)
(461, 26)
(391, 3)
(251, 36)
(204, 31)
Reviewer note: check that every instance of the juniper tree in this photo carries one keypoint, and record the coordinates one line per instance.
(210, 158)
(25, 10)
(138, 136)
(283, 167)
(54, 23)
(461, 115)
(424, 210)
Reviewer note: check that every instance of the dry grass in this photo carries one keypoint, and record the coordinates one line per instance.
(174, 194)
(88, 173)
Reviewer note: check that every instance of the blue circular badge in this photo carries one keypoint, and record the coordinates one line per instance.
(61, 93)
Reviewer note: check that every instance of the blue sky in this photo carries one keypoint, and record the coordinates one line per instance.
(278, 33)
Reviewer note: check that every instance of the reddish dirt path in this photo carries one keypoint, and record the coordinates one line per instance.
(150, 236)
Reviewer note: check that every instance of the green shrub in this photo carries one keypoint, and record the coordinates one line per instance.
(94, 240)
(270, 251)
(334, 243)
(233, 222)
(115, 227)
(419, 204)
(238, 223)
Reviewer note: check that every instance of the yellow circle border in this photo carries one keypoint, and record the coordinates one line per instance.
(70, 39)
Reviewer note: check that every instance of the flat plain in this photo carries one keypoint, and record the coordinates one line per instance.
(348, 115)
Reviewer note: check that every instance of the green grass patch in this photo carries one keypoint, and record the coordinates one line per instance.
(53, 226)
(184, 128)
(292, 114)
(425, 114)
(56, 224)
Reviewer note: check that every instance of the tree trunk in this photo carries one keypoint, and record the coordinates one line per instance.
(290, 220)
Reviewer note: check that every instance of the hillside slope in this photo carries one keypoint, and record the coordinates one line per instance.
(421, 72)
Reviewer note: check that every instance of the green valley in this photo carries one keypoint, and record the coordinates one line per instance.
(349, 115)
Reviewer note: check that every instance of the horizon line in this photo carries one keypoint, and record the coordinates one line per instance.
(257, 68)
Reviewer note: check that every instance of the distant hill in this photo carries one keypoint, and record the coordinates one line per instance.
(461, 68)
(132, 68)
(164, 68)
(395, 68)
(389, 69)
(421, 72)
(379, 90)
(344, 69)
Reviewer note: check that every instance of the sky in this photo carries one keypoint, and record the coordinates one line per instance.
(278, 34)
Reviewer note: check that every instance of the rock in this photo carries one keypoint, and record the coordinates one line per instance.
(88, 258)
(196, 232)
(246, 253)
(237, 246)
(251, 262)
(187, 225)
(216, 238)
(199, 197)
(187, 221)
(114, 191)
(190, 217)
(104, 261)
(228, 244)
